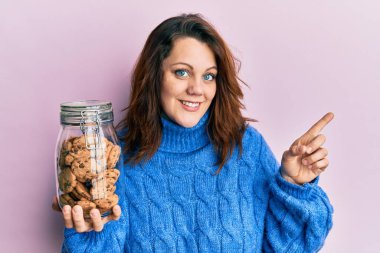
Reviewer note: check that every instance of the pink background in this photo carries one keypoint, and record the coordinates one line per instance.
(300, 59)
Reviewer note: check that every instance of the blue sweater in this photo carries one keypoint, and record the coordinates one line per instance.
(175, 203)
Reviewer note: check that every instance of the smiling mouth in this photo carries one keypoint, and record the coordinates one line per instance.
(191, 104)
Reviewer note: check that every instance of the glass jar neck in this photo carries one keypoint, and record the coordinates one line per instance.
(86, 112)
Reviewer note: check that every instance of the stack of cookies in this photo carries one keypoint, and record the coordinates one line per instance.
(87, 173)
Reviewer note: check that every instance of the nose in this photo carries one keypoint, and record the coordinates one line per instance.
(195, 87)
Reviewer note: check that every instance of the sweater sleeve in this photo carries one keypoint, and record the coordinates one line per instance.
(298, 218)
(110, 239)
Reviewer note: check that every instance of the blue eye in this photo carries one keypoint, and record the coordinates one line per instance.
(209, 77)
(181, 73)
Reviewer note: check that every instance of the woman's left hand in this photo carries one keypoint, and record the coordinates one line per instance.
(306, 158)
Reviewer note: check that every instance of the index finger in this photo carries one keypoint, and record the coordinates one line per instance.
(317, 127)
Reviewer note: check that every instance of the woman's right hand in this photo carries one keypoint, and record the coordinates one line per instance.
(73, 217)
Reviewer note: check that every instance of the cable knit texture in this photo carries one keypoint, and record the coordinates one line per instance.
(176, 203)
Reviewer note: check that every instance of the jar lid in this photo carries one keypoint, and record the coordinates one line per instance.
(86, 111)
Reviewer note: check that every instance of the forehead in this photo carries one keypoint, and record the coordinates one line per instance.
(191, 51)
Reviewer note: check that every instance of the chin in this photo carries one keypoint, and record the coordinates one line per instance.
(188, 123)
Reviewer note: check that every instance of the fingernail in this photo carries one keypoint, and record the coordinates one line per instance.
(304, 162)
(310, 166)
(93, 213)
(309, 150)
(65, 209)
(77, 209)
(117, 209)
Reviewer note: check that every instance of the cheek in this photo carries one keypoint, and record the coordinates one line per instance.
(210, 92)
(172, 88)
(168, 93)
(165, 89)
(166, 99)
(168, 96)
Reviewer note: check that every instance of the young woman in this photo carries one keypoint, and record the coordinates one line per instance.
(197, 177)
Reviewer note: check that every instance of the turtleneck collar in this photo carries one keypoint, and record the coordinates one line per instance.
(179, 139)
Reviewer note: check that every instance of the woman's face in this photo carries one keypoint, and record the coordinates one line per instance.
(189, 81)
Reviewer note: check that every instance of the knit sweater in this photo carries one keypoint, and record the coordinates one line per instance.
(176, 203)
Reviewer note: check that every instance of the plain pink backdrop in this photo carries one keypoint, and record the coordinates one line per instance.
(300, 58)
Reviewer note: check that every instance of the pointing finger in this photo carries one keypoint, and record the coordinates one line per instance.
(317, 127)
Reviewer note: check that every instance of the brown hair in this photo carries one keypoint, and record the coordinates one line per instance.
(226, 124)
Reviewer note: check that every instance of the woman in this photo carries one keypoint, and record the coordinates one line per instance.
(198, 178)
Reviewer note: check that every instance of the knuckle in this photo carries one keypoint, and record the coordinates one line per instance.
(294, 149)
(95, 216)
(78, 219)
(96, 221)
(77, 216)
(67, 218)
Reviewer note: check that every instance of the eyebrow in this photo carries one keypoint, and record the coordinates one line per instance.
(191, 67)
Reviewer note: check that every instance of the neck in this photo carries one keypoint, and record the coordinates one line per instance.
(179, 139)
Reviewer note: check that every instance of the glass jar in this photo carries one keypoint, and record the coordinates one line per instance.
(87, 157)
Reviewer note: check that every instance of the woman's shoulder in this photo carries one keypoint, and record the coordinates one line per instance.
(251, 134)
(255, 147)
(251, 142)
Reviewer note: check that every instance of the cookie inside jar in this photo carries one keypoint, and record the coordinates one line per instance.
(88, 173)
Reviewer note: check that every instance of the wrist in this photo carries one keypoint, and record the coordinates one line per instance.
(287, 188)
(288, 178)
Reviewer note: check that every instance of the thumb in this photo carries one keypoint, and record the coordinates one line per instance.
(55, 205)
(115, 215)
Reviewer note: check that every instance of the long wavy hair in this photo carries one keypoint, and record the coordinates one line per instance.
(225, 126)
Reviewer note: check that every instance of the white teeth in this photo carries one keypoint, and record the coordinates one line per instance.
(190, 104)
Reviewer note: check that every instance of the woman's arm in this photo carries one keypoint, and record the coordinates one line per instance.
(110, 239)
(298, 217)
